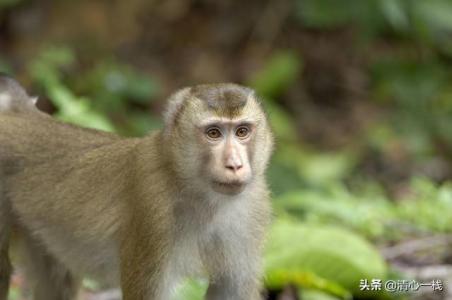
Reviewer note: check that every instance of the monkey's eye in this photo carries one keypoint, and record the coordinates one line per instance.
(242, 132)
(213, 133)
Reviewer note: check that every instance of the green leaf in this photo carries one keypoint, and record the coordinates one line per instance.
(278, 278)
(338, 257)
(312, 294)
(191, 290)
(279, 73)
(77, 110)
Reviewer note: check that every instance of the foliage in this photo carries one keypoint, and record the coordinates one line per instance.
(111, 84)
(371, 213)
(119, 90)
(334, 259)
(279, 73)
(45, 70)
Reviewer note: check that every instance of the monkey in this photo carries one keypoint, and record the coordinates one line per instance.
(143, 213)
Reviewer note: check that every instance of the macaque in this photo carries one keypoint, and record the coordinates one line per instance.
(143, 213)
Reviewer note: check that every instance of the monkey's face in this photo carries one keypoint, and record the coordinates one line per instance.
(227, 141)
(228, 145)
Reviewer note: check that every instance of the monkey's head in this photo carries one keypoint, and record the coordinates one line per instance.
(219, 136)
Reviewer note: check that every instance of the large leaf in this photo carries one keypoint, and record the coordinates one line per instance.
(338, 257)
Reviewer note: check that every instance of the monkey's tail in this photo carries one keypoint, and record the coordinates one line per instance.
(13, 96)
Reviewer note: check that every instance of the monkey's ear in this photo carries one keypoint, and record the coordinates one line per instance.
(13, 95)
(174, 107)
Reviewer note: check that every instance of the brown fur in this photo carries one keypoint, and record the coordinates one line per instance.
(137, 211)
(225, 99)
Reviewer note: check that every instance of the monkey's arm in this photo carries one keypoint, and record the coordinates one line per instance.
(146, 244)
(143, 258)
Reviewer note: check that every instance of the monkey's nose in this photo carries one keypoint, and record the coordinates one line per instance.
(233, 165)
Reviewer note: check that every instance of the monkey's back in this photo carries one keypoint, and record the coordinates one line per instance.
(61, 179)
(35, 132)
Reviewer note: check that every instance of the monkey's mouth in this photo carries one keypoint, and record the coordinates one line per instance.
(228, 187)
(229, 183)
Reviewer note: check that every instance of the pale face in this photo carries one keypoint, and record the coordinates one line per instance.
(228, 145)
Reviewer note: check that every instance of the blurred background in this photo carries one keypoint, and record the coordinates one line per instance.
(359, 94)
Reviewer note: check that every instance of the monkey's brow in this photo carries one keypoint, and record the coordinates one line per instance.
(213, 121)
